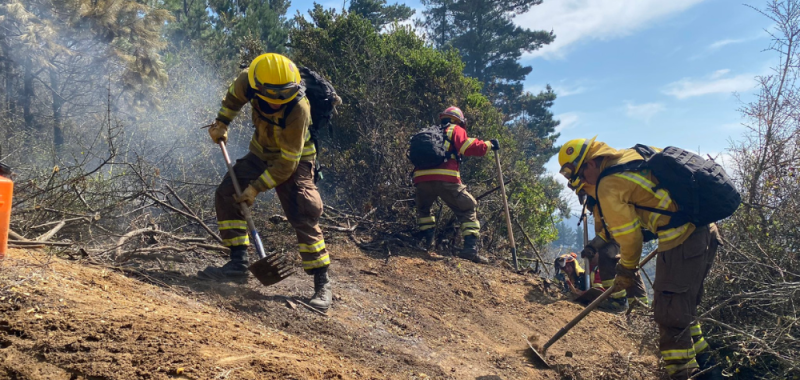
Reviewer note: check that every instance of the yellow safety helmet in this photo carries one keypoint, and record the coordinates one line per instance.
(571, 157)
(275, 78)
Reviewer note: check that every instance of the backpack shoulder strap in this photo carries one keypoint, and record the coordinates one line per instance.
(626, 167)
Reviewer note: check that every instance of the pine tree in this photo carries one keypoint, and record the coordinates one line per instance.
(237, 22)
(485, 35)
(379, 13)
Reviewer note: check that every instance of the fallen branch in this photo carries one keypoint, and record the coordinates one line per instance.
(339, 229)
(184, 213)
(28, 246)
(16, 236)
(56, 222)
(28, 243)
(47, 235)
(184, 239)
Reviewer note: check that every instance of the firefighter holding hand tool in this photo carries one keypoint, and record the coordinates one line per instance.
(639, 188)
(281, 157)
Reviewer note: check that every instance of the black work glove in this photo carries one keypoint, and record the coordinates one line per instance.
(625, 276)
(588, 252)
(495, 144)
(594, 246)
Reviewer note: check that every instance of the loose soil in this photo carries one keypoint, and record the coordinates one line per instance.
(401, 317)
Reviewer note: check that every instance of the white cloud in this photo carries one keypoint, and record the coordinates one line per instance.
(720, 73)
(578, 20)
(562, 89)
(643, 112)
(715, 83)
(568, 120)
(722, 43)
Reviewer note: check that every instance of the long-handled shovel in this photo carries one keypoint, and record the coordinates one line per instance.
(269, 269)
(540, 354)
(588, 261)
(508, 214)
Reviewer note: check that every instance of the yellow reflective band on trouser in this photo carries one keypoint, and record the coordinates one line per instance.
(289, 156)
(426, 223)
(228, 113)
(448, 172)
(681, 354)
(312, 248)
(267, 179)
(232, 225)
(470, 228)
(318, 263)
(643, 300)
(700, 345)
(241, 240)
(625, 228)
(672, 368)
(620, 294)
(696, 330)
(309, 150)
(426, 220)
(466, 145)
(672, 233)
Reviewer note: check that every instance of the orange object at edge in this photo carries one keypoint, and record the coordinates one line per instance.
(6, 193)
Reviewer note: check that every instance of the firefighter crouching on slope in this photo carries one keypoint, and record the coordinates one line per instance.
(616, 303)
(686, 252)
(280, 159)
(570, 273)
(444, 182)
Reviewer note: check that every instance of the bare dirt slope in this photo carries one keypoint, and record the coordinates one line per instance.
(407, 318)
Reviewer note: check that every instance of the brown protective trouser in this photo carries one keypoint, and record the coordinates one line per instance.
(455, 196)
(609, 257)
(301, 204)
(680, 273)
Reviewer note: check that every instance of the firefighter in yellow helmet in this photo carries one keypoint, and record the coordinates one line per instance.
(686, 252)
(281, 157)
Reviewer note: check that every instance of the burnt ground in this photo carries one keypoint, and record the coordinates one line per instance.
(404, 317)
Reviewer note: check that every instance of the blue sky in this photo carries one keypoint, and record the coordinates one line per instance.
(646, 71)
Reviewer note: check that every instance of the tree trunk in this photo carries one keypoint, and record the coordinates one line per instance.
(27, 94)
(58, 102)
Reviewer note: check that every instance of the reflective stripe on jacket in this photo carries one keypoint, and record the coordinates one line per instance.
(461, 145)
(618, 194)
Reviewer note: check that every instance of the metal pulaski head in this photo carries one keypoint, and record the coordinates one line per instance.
(272, 269)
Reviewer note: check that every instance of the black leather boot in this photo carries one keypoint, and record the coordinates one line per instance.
(234, 270)
(705, 360)
(470, 250)
(323, 295)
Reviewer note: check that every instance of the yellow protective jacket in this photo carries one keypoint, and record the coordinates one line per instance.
(617, 194)
(282, 148)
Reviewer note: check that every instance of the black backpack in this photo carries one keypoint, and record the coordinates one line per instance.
(701, 189)
(426, 148)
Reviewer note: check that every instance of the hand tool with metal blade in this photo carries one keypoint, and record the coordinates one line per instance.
(540, 356)
(269, 269)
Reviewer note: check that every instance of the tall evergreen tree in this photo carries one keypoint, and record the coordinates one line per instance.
(241, 22)
(484, 33)
(379, 13)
